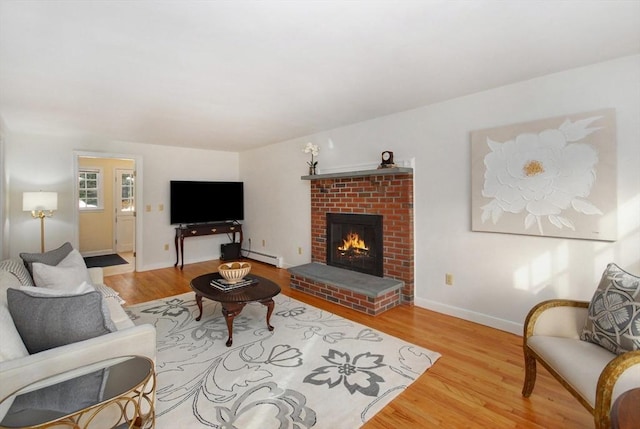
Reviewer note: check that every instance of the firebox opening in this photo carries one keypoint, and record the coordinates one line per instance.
(354, 242)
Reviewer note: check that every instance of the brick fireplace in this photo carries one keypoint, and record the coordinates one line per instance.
(385, 192)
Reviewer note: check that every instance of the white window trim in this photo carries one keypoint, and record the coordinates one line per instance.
(100, 172)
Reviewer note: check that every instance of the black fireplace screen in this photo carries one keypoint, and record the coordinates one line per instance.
(354, 242)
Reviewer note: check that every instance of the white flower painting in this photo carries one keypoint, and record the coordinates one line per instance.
(553, 177)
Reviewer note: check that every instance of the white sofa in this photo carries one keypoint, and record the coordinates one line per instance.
(90, 354)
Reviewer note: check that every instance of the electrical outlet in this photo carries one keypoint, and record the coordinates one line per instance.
(448, 279)
(166, 247)
(264, 243)
(299, 250)
(160, 207)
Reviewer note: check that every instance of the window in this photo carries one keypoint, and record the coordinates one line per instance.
(126, 180)
(90, 189)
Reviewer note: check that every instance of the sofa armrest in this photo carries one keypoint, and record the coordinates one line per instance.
(557, 318)
(89, 354)
(97, 275)
(620, 375)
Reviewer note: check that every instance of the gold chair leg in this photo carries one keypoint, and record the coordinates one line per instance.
(529, 374)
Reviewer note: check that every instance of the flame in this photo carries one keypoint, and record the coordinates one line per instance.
(353, 241)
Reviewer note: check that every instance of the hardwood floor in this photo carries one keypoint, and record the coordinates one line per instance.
(121, 269)
(475, 384)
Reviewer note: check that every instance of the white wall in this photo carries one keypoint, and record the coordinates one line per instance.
(498, 277)
(45, 162)
(4, 226)
(277, 207)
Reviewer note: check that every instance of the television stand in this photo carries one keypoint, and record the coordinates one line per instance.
(198, 230)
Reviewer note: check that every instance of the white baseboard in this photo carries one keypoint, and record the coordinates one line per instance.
(98, 253)
(262, 257)
(472, 316)
(157, 266)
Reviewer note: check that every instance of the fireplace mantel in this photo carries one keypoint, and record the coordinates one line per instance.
(361, 173)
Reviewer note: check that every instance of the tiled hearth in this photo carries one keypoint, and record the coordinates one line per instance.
(386, 192)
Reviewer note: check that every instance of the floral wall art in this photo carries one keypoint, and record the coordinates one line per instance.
(553, 177)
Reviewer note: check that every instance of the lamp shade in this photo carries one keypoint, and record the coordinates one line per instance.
(33, 201)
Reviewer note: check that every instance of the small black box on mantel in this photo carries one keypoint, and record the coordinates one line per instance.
(230, 252)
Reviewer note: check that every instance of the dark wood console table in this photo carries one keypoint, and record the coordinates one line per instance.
(185, 231)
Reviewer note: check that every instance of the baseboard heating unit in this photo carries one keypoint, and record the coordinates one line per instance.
(263, 257)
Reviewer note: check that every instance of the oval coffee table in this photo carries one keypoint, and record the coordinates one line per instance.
(234, 300)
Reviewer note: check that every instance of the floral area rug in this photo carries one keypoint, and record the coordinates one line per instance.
(315, 370)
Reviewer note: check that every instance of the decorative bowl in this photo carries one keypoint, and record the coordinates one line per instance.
(233, 272)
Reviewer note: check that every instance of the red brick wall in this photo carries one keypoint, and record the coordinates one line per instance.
(388, 195)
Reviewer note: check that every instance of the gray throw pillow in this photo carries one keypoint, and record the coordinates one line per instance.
(45, 322)
(52, 257)
(63, 398)
(614, 312)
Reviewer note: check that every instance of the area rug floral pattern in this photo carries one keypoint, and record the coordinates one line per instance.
(315, 370)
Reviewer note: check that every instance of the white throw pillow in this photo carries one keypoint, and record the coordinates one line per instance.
(73, 260)
(7, 280)
(11, 346)
(67, 275)
(84, 287)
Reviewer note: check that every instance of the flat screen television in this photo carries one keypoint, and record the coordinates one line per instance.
(201, 202)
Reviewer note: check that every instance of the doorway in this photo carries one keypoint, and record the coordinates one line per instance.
(124, 204)
(107, 199)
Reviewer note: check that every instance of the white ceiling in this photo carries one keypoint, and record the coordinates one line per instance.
(233, 75)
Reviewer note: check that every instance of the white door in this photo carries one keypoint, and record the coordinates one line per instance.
(125, 210)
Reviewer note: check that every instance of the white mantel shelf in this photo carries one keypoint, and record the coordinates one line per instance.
(361, 173)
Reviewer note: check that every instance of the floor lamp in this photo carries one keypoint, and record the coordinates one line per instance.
(41, 205)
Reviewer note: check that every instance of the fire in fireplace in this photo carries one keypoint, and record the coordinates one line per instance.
(354, 242)
(353, 247)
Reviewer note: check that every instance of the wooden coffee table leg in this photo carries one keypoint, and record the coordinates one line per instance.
(230, 311)
(269, 304)
(199, 302)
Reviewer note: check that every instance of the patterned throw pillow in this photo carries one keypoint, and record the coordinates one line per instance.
(107, 292)
(614, 312)
(16, 267)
